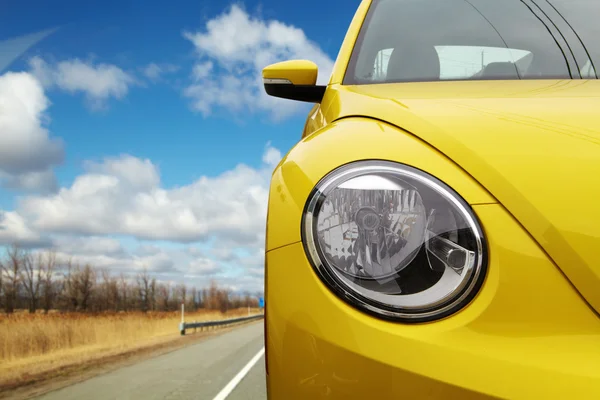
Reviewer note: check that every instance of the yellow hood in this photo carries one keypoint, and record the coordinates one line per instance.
(534, 145)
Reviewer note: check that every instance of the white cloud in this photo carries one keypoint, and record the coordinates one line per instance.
(161, 262)
(92, 246)
(139, 174)
(147, 250)
(98, 82)
(203, 266)
(14, 229)
(27, 153)
(173, 264)
(249, 283)
(202, 71)
(272, 156)
(233, 49)
(152, 71)
(155, 71)
(35, 181)
(108, 252)
(256, 272)
(238, 268)
(222, 253)
(123, 196)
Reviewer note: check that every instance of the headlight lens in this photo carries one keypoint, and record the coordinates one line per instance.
(395, 241)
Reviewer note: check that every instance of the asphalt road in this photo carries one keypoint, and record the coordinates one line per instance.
(201, 371)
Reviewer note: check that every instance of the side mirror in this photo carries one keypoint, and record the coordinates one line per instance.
(294, 80)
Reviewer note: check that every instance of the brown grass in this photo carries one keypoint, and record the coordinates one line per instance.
(31, 345)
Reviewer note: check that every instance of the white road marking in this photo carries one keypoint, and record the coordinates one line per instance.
(226, 391)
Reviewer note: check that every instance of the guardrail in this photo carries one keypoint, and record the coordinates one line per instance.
(205, 324)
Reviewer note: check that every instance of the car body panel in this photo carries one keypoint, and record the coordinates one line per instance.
(534, 145)
(298, 72)
(512, 341)
(314, 121)
(343, 142)
(525, 156)
(341, 62)
(316, 116)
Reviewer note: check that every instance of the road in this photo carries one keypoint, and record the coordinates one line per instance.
(204, 370)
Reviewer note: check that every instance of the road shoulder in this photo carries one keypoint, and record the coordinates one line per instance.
(58, 379)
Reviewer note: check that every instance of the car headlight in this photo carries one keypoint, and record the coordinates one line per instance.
(394, 241)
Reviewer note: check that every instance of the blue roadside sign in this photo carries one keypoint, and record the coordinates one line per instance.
(261, 302)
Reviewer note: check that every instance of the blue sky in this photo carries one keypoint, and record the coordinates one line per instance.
(137, 134)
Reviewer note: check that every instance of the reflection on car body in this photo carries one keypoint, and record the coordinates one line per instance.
(434, 232)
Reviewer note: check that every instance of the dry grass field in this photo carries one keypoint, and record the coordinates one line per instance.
(34, 344)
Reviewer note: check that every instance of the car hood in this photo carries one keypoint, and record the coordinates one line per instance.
(534, 145)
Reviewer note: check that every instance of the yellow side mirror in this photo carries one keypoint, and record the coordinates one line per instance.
(294, 80)
(296, 72)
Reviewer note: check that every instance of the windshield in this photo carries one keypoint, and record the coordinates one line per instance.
(438, 40)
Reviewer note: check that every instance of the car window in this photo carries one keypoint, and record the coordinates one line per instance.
(463, 62)
(431, 40)
(582, 16)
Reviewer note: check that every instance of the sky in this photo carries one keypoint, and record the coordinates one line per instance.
(137, 134)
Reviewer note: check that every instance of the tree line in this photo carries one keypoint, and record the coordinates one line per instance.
(40, 281)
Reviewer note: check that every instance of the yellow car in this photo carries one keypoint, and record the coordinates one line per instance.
(435, 233)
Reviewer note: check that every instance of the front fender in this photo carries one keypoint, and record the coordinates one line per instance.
(342, 142)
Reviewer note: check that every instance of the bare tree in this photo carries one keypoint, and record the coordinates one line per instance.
(114, 293)
(105, 297)
(87, 283)
(152, 294)
(49, 289)
(196, 298)
(143, 289)
(164, 296)
(1, 284)
(212, 296)
(203, 294)
(235, 301)
(224, 300)
(35, 277)
(78, 286)
(247, 299)
(181, 293)
(71, 285)
(106, 291)
(124, 292)
(31, 276)
(11, 271)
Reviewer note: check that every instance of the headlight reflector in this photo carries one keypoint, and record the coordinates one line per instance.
(393, 240)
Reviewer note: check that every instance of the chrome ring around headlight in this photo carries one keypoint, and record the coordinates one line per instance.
(372, 267)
